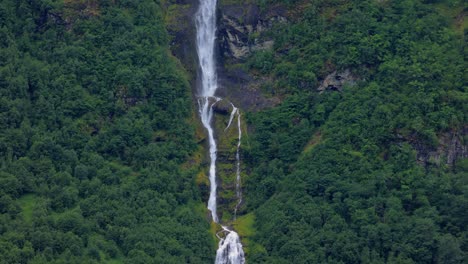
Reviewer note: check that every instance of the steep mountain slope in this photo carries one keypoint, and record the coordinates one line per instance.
(356, 146)
(95, 138)
(365, 158)
(354, 140)
(357, 129)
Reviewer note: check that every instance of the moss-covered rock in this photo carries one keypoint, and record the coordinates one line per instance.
(180, 26)
(227, 140)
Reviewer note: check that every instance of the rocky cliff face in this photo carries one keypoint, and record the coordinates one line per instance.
(180, 25)
(239, 33)
(451, 148)
(241, 29)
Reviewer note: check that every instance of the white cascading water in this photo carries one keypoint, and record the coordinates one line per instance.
(230, 249)
(235, 111)
(238, 176)
(206, 114)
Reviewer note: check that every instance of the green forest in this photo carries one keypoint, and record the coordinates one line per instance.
(335, 177)
(94, 137)
(100, 141)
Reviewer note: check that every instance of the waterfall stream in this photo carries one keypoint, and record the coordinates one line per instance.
(230, 248)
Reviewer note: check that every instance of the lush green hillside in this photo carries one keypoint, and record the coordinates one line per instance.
(366, 174)
(98, 152)
(94, 137)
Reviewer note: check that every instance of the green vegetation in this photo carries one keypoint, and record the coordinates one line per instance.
(94, 138)
(335, 174)
(100, 160)
(244, 226)
(26, 203)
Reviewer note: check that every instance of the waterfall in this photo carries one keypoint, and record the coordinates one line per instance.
(235, 111)
(238, 177)
(206, 114)
(230, 248)
(206, 34)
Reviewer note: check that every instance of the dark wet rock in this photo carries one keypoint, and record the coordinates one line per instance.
(244, 90)
(223, 107)
(239, 33)
(181, 28)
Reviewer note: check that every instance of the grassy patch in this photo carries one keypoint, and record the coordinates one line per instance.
(316, 138)
(114, 261)
(456, 13)
(235, 2)
(26, 203)
(174, 16)
(202, 179)
(214, 229)
(244, 226)
(237, 66)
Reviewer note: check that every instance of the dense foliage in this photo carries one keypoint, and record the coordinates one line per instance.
(94, 136)
(335, 177)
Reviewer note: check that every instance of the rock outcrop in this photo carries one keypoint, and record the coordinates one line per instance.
(241, 28)
(450, 149)
(222, 107)
(181, 28)
(336, 80)
(240, 33)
